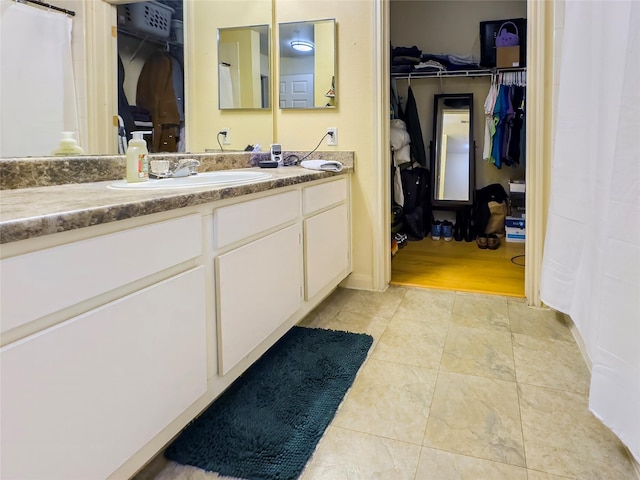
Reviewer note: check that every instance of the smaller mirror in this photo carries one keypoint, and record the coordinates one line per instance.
(308, 64)
(244, 68)
(452, 155)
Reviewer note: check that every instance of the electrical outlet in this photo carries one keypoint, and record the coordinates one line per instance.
(332, 138)
(226, 136)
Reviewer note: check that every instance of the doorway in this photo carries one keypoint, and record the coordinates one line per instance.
(151, 74)
(457, 265)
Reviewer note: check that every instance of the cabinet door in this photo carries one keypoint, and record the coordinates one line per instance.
(80, 398)
(260, 287)
(326, 248)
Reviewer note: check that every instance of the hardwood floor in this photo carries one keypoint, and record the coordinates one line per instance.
(460, 266)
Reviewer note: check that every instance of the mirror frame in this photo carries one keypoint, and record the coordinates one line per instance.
(264, 89)
(437, 147)
(332, 100)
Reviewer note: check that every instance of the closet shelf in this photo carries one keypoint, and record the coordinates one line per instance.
(144, 37)
(483, 72)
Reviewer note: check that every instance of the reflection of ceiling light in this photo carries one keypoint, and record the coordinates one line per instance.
(302, 46)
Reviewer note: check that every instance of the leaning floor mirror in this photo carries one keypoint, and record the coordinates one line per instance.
(453, 152)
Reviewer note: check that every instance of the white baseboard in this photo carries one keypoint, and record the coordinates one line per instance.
(358, 282)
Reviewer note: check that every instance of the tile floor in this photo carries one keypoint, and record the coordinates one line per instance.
(457, 386)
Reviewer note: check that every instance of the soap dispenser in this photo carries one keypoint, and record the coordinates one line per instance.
(137, 159)
(68, 146)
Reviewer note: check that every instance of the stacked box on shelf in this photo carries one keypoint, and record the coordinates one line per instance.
(515, 231)
(515, 224)
(517, 198)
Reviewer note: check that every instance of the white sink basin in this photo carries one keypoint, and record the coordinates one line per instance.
(224, 177)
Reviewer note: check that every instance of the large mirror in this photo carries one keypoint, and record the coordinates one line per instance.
(244, 67)
(97, 87)
(307, 64)
(452, 155)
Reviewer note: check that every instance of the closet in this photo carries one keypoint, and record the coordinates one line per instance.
(151, 73)
(453, 28)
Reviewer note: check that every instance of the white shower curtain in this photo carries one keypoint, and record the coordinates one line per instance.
(225, 87)
(36, 79)
(591, 264)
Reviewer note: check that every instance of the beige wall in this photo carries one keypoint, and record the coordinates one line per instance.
(204, 120)
(303, 129)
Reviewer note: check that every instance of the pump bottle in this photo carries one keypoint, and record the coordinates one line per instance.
(137, 159)
(68, 146)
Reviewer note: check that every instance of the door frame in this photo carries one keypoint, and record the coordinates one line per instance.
(539, 128)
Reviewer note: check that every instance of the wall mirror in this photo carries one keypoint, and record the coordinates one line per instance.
(452, 155)
(307, 64)
(244, 67)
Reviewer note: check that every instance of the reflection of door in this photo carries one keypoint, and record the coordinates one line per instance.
(296, 91)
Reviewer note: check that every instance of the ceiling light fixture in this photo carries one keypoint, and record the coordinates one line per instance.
(302, 46)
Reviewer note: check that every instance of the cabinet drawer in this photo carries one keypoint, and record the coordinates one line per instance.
(320, 196)
(82, 397)
(43, 282)
(236, 222)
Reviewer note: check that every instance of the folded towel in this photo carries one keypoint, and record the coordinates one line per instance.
(327, 165)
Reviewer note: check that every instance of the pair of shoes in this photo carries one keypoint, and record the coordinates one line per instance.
(493, 241)
(401, 239)
(436, 230)
(482, 241)
(447, 230)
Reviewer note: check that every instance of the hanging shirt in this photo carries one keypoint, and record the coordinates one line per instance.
(489, 126)
(499, 114)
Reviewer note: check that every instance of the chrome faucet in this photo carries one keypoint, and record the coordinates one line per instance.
(184, 168)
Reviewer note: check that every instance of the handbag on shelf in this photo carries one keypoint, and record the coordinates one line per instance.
(506, 38)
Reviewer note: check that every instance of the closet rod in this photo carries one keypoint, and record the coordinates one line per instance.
(456, 73)
(48, 5)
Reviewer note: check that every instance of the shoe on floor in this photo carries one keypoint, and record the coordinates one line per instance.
(493, 242)
(447, 231)
(482, 241)
(436, 230)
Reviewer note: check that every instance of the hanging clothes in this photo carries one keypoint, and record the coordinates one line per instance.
(415, 132)
(499, 113)
(155, 92)
(124, 110)
(505, 120)
(516, 124)
(489, 125)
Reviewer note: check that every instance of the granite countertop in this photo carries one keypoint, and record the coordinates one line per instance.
(43, 210)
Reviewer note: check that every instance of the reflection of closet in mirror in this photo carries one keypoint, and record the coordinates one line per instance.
(307, 59)
(244, 67)
(151, 73)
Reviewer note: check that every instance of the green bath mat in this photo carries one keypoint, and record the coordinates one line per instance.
(268, 422)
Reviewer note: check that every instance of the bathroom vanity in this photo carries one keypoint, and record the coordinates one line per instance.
(115, 335)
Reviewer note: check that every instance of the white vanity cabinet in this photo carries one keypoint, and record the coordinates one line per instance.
(327, 238)
(83, 392)
(114, 337)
